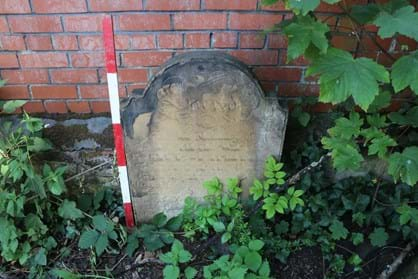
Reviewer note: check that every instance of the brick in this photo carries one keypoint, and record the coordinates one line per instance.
(328, 8)
(145, 22)
(39, 42)
(277, 7)
(34, 24)
(294, 89)
(133, 75)
(54, 92)
(4, 27)
(74, 76)
(197, 40)
(122, 42)
(43, 60)
(253, 21)
(256, 57)
(145, 58)
(90, 42)
(59, 6)
(230, 5)
(300, 61)
(14, 7)
(80, 60)
(25, 76)
(83, 23)
(279, 74)
(56, 107)
(93, 91)
(8, 60)
(78, 106)
(14, 92)
(251, 40)
(113, 6)
(170, 5)
(277, 41)
(170, 41)
(199, 21)
(34, 107)
(143, 41)
(224, 40)
(65, 42)
(100, 106)
(12, 42)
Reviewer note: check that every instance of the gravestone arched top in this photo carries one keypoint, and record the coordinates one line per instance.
(202, 115)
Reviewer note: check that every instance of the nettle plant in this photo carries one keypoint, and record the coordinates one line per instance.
(362, 84)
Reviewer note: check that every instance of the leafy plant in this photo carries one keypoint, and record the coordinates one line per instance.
(176, 256)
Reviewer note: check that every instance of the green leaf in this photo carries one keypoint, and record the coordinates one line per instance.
(346, 128)
(403, 21)
(405, 72)
(213, 186)
(168, 258)
(190, 272)
(342, 76)
(88, 239)
(364, 13)
(132, 244)
(302, 32)
(303, 6)
(101, 244)
(174, 223)
(357, 238)
(100, 222)
(38, 144)
(68, 210)
(338, 231)
(378, 237)
(380, 146)
(344, 153)
(253, 260)
(409, 118)
(40, 257)
(218, 226)
(264, 270)
(404, 165)
(257, 189)
(159, 220)
(255, 245)
(226, 237)
(237, 273)
(65, 274)
(381, 101)
(171, 272)
(11, 106)
(184, 256)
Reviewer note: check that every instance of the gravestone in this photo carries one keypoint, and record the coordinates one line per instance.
(203, 115)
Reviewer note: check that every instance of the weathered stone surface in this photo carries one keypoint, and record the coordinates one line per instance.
(203, 115)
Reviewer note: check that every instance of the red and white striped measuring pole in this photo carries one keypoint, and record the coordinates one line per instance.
(113, 87)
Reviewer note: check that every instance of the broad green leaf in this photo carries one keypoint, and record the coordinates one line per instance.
(342, 76)
(213, 186)
(174, 223)
(409, 118)
(338, 231)
(171, 272)
(168, 258)
(305, 30)
(38, 144)
(132, 244)
(405, 72)
(237, 273)
(257, 189)
(381, 101)
(68, 210)
(403, 166)
(264, 270)
(346, 128)
(403, 21)
(218, 226)
(11, 106)
(190, 272)
(226, 237)
(100, 222)
(88, 238)
(101, 244)
(364, 13)
(303, 6)
(184, 256)
(378, 237)
(40, 257)
(253, 260)
(159, 220)
(255, 245)
(65, 274)
(344, 153)
(380, 146)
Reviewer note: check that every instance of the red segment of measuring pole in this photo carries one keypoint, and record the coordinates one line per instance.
(113, 87)
(109, 44)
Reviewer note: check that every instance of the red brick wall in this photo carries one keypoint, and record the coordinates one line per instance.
(52, 51)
